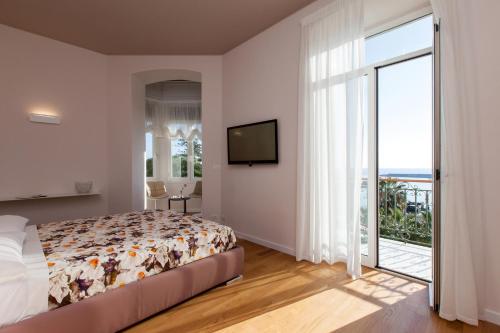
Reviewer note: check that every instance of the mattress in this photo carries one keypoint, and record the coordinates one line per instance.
(87, 257)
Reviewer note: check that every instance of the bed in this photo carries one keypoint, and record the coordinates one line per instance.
(106, 273)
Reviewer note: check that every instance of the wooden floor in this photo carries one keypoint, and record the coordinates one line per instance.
(279, 294)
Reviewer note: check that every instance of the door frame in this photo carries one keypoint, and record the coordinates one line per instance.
(370, 71)
(398, 60)
(371, 260)
(436, 186)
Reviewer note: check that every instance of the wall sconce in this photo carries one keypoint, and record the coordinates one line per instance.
(44, 118)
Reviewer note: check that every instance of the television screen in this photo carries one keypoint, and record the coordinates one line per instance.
(253, 143)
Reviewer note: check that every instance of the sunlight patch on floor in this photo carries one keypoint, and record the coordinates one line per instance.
(308, 315)
(347, 304)
(384, 288)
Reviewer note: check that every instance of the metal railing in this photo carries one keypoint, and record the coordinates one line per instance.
(405, 210)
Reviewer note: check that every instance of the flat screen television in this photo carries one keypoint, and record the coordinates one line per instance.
(253, 143)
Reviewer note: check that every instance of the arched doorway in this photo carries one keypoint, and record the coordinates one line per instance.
(167, 140)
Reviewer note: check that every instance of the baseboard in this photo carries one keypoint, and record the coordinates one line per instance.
(491, 316)
(266, 243)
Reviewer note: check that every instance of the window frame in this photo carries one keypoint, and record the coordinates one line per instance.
(394, 61)
(190, 161)
(170, 162)
(154, 157)
(379, 28)
(192, 158)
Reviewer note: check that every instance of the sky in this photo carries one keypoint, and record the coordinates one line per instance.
(404, 96)
(149, 145)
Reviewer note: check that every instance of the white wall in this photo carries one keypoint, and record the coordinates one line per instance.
(101, 136)
(484, 28)
(127, 76)
(38, 73)
(261, 82)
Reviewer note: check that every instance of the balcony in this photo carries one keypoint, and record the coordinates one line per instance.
(405, 226)
(405, 211)
(407, 258)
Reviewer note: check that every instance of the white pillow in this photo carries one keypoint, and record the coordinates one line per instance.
(11, 245)
(12, 223)
(11, 256)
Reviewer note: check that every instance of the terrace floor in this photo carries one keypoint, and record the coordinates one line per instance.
(414, 260)
(410, 259)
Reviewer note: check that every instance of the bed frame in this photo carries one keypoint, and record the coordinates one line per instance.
(120, 308)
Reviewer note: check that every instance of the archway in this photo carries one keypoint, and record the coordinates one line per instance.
(139, 82)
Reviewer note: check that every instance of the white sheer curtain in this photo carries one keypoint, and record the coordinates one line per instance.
(461, 206)
(173, 118)
(330, 136)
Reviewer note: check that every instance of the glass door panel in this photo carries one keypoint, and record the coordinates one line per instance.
(405, 163)
(364, 200)
(368, 220)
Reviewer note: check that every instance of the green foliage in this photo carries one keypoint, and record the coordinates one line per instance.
(149, 167)
(400, 218)
(180, 160)
(198, 164)
(198, 170)
(197, 148)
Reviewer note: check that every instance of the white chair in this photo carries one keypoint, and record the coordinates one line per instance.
(156, 190)
(197, 192)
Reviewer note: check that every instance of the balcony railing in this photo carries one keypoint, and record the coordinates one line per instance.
(405, 210)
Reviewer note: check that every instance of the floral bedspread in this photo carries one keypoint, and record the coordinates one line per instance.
(89, 256)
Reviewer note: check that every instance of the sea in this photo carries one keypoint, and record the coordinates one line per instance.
(403, 173)
(424, 174)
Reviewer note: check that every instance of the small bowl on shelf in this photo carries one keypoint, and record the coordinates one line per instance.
(83, 187)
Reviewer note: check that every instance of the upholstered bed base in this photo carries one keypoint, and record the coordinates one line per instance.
(119, 308)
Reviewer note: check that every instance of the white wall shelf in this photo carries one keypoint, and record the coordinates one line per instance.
(49, 196)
